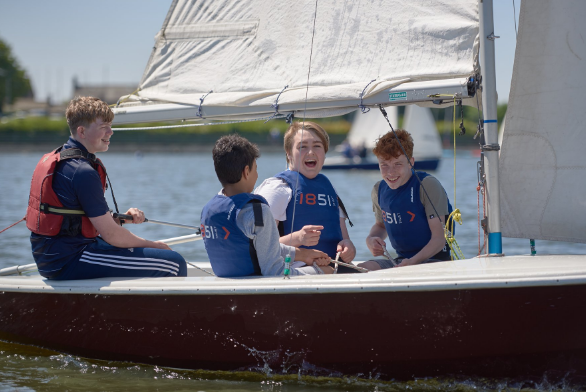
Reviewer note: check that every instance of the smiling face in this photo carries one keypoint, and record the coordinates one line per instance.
(307, 156)
(395, 171)
(96, 136)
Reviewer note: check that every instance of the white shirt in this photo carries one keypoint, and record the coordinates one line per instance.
(278, 194)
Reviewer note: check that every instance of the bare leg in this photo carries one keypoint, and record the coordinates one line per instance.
(327, 269)
(370, 265)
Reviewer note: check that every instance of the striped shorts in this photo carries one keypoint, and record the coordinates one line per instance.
(102, 260)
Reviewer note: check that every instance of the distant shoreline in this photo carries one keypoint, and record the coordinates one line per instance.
(134, 148)
(128, 147)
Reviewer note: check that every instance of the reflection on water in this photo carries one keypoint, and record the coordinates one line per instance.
(174, 188)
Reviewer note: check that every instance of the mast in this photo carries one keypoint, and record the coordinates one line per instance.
(490, 150)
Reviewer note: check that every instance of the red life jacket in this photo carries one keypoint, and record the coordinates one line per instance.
(44, 214)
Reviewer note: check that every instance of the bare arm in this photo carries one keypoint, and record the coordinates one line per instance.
(307, 236)
(435, 244)
(346, 247)
(120, 237)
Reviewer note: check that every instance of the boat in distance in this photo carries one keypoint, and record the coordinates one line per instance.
(481, 316)
(368, 127)
(342, 163)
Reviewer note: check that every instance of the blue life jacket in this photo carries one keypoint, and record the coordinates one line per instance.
(316, 203)
(230, 251)
(405, 219)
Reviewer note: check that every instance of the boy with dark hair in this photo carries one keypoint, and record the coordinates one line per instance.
(74, 235)
(411, 214)
(240, 233)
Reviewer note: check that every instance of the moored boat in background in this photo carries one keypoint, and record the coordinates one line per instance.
(368, 127)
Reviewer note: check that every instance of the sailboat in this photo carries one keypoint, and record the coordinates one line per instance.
(368, 127)
(490, 315)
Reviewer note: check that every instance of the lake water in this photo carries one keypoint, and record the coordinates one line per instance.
(174, 187)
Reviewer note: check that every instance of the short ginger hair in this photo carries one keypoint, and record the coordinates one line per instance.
(388, 147)
(306, 126)
(82, 111)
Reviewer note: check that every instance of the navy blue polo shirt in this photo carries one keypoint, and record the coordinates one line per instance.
(78, 186)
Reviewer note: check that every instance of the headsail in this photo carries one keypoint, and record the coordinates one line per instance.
(542, 167)
(246, 52)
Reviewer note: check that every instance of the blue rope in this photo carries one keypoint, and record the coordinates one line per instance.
(276, 105)
(363, 108)
(198, 114)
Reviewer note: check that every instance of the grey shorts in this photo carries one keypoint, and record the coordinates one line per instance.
(386, 263)
(310, 270)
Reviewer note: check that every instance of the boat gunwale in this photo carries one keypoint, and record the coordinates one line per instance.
(478, 273)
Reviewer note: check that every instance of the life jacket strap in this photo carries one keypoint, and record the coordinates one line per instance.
(78, 153)
(47, 209)
(258, 222)
(257, 209)
(344, 210)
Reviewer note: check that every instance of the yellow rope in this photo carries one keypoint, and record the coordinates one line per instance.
(449, 234)
(454, 152)
(455, 215)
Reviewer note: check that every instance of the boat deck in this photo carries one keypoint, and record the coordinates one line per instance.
(476, 273)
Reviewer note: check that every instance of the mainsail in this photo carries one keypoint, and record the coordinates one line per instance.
(542, 168)
(368, 127)
(419, 122)
(253, 53)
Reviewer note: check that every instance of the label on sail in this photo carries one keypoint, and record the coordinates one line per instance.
(402, 96)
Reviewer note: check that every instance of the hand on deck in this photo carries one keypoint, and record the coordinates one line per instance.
(376, 245)
(347, 250)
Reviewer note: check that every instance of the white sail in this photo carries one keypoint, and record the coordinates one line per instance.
(246, 52)
(368, 127)
(542, 167)
(419, 122)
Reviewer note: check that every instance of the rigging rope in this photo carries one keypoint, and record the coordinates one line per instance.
(198, 114)
(12, 225)
(363, 108)
(515, 17)
(195, 125)
(201, 269)
(481, 189)
(287, 270)
(276, 105)
(455, 215)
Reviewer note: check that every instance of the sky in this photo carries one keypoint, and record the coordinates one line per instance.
(110, 41)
